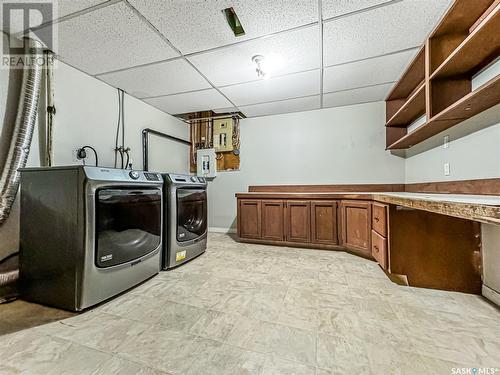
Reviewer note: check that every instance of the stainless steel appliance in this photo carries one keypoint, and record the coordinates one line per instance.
(186, 218)
(88, 233)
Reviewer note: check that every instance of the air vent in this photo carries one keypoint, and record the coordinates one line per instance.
(233, 21)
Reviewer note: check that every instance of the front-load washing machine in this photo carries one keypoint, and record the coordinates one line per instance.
(186, 219)
(87, 233)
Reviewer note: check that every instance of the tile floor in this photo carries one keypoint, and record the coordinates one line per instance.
(251, 309)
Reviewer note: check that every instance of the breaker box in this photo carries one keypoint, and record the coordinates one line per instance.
(206, 163)
(223, 134)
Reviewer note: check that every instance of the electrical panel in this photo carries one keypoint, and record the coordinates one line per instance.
(223, 134)
(206, 162)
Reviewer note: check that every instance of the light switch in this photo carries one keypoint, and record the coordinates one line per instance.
(446, 141)
(446, 169)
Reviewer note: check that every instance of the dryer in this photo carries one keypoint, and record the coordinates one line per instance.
(186, 219)
(87, 233)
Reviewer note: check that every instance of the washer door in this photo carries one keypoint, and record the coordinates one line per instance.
(191, 213)
(128, 224)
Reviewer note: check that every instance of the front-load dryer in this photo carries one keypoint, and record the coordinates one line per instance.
(186, 219)
(88, 233)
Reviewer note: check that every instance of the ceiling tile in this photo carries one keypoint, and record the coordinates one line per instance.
(282, 106)
(197, 25)
(382, 30)
(62, 8)
(284, 53)
(65, 7)
(226, 110)
(109, 38)
(367, 72)
(190, 102)
(356, 96)
(266, 90)
(164, 78)
(335, 8)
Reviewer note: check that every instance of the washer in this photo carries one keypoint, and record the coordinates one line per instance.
(186, 219)
(88, 233)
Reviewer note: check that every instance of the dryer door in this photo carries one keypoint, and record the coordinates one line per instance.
(128, 224)
(191, 213)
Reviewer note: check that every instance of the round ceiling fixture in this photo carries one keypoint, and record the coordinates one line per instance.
(259, 61)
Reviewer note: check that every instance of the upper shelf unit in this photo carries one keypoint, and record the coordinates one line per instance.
(438, 82)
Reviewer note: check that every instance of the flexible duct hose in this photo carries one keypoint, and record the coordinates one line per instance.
(23, 130)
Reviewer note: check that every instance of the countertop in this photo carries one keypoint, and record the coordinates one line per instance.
(483, 208)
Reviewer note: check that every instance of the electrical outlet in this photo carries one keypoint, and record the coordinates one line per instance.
(75, 155)
(446, 141)
(446, 169)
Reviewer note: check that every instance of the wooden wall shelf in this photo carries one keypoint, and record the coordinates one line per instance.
(413, 108)
(438, 81)
(470, 105)
(481, 45)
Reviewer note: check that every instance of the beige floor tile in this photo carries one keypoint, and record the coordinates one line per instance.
(121, 366)
(29, 353)
(279, 366)
(96, 330)
(215, 325)
(228, 360)
(172, 352)
(341, 354)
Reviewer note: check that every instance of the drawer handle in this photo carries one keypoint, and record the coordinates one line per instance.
(377, 219)
(376, 248)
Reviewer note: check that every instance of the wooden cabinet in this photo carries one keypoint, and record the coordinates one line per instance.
(379, 249)
(438, 83)
(379, 218)
(380, 232)
(324, 222)
(298, 221)
(249, 218)
(273, 220)
(356, 226)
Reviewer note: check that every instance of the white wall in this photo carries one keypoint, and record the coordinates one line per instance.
(331, 146)
(474, 148)
(87, 112)
(474, 156)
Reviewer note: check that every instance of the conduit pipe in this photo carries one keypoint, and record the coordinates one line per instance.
(23, 127)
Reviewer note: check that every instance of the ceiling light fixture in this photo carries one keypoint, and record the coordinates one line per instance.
(261, 70)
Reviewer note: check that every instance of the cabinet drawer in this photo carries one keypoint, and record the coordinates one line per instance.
(379, 249)
(379, 218)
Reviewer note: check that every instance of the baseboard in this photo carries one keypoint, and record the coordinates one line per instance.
(491, 294)
(222, 230)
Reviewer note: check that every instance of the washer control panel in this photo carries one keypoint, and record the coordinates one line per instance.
(122, 175)
(185, 179)
(152, 176)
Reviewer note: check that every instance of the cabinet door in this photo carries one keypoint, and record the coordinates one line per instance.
(272, 220)
(356, 226)
(324, 222)
(298, 221)
(249, 218)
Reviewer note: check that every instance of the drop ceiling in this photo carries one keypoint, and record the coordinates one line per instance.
(181, 56)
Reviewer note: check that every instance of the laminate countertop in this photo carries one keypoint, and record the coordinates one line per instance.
(482, 208)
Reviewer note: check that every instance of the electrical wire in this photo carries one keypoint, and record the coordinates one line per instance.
(128, 158)
(95, 154)
(9, 256)
(118, 126)
(123, 124)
